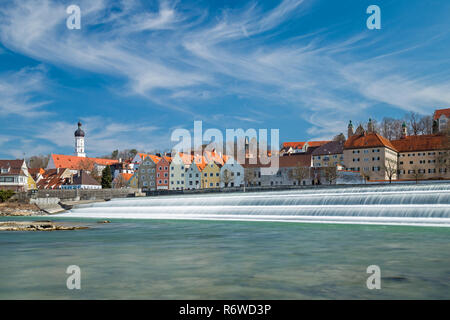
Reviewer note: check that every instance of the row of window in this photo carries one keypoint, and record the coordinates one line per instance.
(366, 151)
(420, 161)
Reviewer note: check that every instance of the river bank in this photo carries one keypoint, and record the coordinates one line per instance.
(38, 226)
(15, 209)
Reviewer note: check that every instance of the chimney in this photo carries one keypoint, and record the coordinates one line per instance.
(350, 129)
(404, 130)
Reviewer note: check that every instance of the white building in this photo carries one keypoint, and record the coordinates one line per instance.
(180, 163)
(194, 176)
(231, 173)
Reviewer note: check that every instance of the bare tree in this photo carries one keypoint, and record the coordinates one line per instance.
(249, 176)
(299, 173)
(391, 128)
(227, 177)
(38, 161)
(426, 125)
(120, 182)
(390, 168)
(414, 123)
(417, 173)
(330, 174)
(365, 175)
(340, 138)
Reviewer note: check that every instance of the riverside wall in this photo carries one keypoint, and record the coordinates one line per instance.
(50, 196)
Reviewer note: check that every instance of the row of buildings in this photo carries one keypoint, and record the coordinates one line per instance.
(363, 155)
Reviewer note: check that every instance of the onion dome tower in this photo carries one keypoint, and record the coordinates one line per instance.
(79, 142)
(350, 129)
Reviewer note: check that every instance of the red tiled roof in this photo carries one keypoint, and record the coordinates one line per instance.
(51, 179)
(295, 145)
(14, 165)
(77, 163)
(419, 143)
(317, 143)
(368, 140)
(126, 176)
(304, 160)
(440, 112)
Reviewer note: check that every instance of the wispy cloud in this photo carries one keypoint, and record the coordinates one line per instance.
(179, 55)
(18, 91)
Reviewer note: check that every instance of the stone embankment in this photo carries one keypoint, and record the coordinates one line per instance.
(38, 226)
(20, 209)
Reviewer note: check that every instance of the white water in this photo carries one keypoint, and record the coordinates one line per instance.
(390, 205)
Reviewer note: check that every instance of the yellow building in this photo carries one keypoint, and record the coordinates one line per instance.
(211, 175)
(133, 182)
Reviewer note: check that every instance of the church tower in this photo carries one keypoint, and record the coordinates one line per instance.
(404, 130)
(79, 142)
(350, 129)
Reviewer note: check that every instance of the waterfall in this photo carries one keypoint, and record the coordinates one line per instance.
(394, 204)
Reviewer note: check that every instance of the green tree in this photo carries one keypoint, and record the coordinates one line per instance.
(106, 178)
(5, 195)
(114, 154)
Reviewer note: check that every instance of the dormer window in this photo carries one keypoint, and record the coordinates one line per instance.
(5, 170)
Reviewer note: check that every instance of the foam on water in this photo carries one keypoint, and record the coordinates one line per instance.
(398, 205)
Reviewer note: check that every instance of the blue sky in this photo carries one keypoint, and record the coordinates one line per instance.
(139, 69)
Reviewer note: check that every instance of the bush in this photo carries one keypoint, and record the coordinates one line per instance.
(5, 195)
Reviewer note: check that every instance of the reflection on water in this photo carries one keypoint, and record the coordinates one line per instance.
(168, 259)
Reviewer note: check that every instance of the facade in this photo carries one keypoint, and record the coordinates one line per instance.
(162, 173)
(54, 178)
(147, 173)
(82, 180)
(211, 175)
(133, 182)
(194, 176)
(419, 156)
(180, 163)
(231, 174)
(442, 117)
(79, 142)
(121, 167)
(371, 154)
(14, 176)
(330, 154)
(252, 174)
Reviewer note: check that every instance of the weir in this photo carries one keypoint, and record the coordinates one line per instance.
(394, 204)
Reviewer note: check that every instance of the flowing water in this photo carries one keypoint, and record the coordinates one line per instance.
(187, 247)
(412, 205)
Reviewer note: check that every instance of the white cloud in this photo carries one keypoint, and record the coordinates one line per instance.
(18, 90)
(170, 54)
